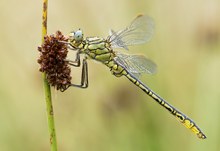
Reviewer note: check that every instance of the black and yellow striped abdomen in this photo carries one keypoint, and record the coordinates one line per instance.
(187, 122)
(118, 71)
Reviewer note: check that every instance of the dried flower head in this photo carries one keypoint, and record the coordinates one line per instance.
(52, 61)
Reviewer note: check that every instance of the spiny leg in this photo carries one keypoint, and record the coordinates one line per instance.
(84, 76)
(75, 63)
(69, 45)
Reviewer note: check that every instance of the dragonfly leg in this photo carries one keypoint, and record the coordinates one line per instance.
(75, 63)
(69, 45)
(84, 76)
(64, 42)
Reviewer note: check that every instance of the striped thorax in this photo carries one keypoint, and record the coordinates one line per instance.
(95, 48)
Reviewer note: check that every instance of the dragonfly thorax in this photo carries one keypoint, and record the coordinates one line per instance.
(97, 48)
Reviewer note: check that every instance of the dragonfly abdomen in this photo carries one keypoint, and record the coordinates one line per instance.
(187, 122)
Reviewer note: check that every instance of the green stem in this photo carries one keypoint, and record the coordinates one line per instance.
(47, 91)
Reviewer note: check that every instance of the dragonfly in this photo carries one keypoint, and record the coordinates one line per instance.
(131, 66)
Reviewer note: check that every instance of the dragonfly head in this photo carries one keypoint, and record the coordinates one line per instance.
(76, 37)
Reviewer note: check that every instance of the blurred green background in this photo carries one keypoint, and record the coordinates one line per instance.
(112, 114)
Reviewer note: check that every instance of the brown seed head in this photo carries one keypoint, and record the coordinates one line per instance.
(52, 61)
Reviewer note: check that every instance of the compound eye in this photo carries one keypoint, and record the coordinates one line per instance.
(78, 35)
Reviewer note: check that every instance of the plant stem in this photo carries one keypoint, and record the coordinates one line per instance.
(47, 91)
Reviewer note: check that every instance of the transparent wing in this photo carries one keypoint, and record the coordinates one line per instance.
(139, 31)
(136, 64)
